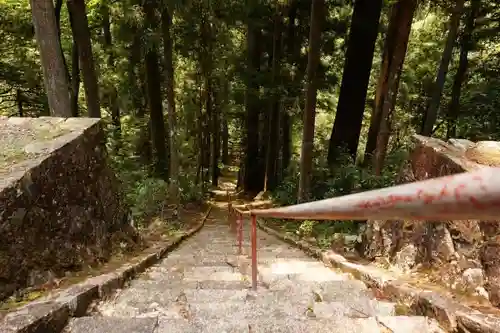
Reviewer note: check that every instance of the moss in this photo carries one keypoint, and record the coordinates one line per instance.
(13, 152)
(15, 302)
(401, 309)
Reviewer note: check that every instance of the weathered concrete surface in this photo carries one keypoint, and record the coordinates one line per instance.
(204, 287)
(464, 254)
(60, 203)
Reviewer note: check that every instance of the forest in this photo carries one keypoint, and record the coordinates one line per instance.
(302, 99)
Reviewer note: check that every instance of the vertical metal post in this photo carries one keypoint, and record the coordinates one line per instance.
(254, 252)
(240, 232)
(229, 213)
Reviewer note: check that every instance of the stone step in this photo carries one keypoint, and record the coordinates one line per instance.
(198, 260)
(299, 271)
(242, 304)
(112, 325)
(356, 309)
(259, 325)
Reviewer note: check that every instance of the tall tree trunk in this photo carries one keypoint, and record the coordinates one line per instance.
(274, 121)
(216, 138)
(137, 90)
(57, 11)
(19, 100)
(82, 34)
(252, 175)
(306, 155)
(386, 123)
(285, 118)
(153, 84)
(357, 67)
(395, 46)
(225, 140)
(166, 22)
(112, 97)
(75, 79)
(465, 46)
(286, 154)
(199, 125)
(264, 124)
(432, 110)
(134, 69)
(54, 72)
(207, 135)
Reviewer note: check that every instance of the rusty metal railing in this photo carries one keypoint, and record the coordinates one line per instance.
(236, 218)
(466, 196)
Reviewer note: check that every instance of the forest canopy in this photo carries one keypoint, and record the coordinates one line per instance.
(305, 99)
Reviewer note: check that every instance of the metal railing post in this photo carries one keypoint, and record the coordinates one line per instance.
(229, 216)
(240, 232)
(254, 252)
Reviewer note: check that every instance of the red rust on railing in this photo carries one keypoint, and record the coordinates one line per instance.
(471, 195)
(254, 252)
(232, 210)
(240, 233)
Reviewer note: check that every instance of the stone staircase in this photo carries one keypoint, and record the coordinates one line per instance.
(203, 287)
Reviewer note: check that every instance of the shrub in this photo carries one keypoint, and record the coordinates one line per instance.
(327, 183)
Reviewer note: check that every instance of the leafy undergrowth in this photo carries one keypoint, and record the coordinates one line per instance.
(328, 183)
(323, 234)
(124, 251)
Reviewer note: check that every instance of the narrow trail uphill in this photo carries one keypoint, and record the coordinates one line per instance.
(203, 286)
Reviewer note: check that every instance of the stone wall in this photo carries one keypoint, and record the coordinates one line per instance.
(59, 201)
(464, 255)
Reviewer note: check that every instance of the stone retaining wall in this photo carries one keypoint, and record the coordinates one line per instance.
(59, 200)
(464, 255)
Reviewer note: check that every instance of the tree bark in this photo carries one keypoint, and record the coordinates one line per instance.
(153, 85)
(19, 100)
(166, 23)
(274, 121)
(395, 46)
(433, 108)
(54, 72)
(252, 180)
(358, 63)
(75, 79)
(207, 116)
(112, 96)
(225, 140)
(306, 155)
(215, 139)
(286, 154)
(82, 34)
(57, 11)
(137, 90)
(386, 122)
(465, 46)
(134, 71)
(292, 48)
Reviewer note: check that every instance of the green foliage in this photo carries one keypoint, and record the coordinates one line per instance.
(148, 198)
(306, 228)
(349, 178)
(222, 58)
